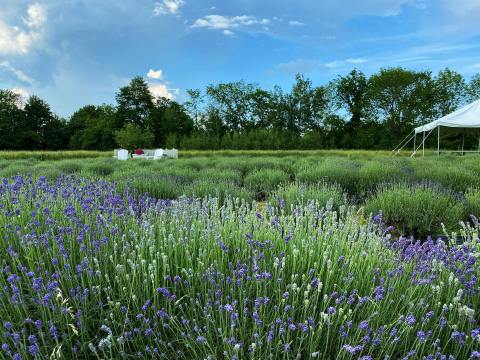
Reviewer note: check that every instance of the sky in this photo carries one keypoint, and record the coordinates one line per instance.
(77, 52)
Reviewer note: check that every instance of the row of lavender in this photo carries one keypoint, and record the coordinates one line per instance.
(91, 273)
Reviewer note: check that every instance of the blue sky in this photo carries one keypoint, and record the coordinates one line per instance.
(78, 52)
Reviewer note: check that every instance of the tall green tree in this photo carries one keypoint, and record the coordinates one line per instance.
(402, 98)
(169, 118)
(194, 106)
(234, 104)
(91, 128)
(38, 116)
(450, 91)
(12, 121)
(134, 103)
(350, 93)
(306, 106)
(473, 91)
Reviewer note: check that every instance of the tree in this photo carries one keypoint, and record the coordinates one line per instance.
(12, 121)
(91, 128)
(134, 103)
(402, 98)
(306, 106)
(193, 106)
(132, 136)
(234, 105)
(55, 134)
(351, 94)
(38, 116)
(450, 92)
(169, 117)
(473, 91)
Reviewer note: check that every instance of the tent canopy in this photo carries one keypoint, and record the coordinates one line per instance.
(466, 117)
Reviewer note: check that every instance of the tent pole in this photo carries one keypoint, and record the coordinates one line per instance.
(423, 145)
(463, 140)
(414, 142)
(479, 143)
(438, 142)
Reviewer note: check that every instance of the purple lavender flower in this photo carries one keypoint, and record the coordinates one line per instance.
(410, 319)
(363, 325)
(459, 337)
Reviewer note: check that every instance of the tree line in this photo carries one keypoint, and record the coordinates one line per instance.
(354, 111)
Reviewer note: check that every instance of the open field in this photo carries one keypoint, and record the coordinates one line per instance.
(415, 195)
(239, 256)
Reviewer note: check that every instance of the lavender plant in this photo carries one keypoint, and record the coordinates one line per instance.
(88, 272)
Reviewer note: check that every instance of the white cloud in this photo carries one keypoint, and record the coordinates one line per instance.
(227, 23)
(37, 16)
(20, 75)
(14, 40)
(24, 94)
(356, 61)
(167, 7)
(296, 23)
(161, 90)
(155, 74)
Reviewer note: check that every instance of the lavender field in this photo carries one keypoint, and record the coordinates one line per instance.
(94, 270)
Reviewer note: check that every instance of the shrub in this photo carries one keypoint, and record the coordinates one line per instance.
(263, 181)
(453, 176)
(158, 186)
(100, 168)
(301, 194)
(417, 209)
(334, 170)
(71, 166)
(221, 189)
(49, 170)
(473, 202)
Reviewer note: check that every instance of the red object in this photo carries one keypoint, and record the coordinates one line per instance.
(138, 151)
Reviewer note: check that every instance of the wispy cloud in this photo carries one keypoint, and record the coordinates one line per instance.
(20, 75)
(167, 7)
(296, 23)
(229, 23)
(356, 60)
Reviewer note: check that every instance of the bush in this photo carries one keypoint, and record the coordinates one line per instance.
(473, 202)
(451, 175)
(263, 181)
(301, 194)
(158, 186)
(417, 209)
(220, 189)
(70, 166)
(100, 168)
(334, 170)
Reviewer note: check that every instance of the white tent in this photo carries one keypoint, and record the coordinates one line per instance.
(467, 117)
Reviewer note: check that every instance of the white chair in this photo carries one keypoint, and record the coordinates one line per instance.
(172, 153)
(158, 154)
(122, 154)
